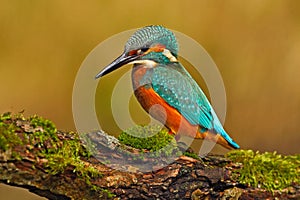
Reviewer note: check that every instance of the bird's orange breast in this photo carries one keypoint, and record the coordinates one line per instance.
(164, 113)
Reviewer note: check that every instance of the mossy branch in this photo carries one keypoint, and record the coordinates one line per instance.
(57, 165)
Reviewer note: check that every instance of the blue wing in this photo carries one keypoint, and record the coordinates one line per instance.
(176, 86)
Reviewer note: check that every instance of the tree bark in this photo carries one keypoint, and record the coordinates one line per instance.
(184, 178)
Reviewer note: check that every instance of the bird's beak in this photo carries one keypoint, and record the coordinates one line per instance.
(117, 63)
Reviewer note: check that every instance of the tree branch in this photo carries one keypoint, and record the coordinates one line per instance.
(56, 165)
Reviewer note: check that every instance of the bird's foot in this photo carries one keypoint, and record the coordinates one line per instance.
(184, 147)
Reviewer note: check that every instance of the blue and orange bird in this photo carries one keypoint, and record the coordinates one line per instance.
(159, 78)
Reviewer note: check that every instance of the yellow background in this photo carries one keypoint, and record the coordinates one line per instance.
(255, 45)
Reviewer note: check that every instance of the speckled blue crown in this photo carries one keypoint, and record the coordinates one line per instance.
(151, 35)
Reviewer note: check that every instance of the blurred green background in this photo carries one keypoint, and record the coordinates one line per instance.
(255, 45)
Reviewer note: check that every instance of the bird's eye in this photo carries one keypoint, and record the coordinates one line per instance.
(142, 50)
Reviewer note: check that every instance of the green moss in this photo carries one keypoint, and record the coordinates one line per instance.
(68, 154)
(151, 138)
(40, 133)
(42, 130)
(40, 136)
(268, 170)
(7, 137)
(192, 155)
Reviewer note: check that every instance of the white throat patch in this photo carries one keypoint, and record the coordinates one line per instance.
(146, 63)
(169, 55)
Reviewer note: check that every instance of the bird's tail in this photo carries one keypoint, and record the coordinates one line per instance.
(215, 137)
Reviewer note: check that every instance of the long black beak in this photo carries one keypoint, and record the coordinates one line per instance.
(117, 63)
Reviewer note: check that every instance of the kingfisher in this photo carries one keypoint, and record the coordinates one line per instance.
(158, 78)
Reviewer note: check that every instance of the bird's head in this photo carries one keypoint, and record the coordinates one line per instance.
(148, 46)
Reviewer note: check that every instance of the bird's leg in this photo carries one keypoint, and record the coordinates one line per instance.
(177, 137)
(182, 146)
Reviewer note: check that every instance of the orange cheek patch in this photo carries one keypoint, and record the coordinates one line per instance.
(133, 52)
(157, 48)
